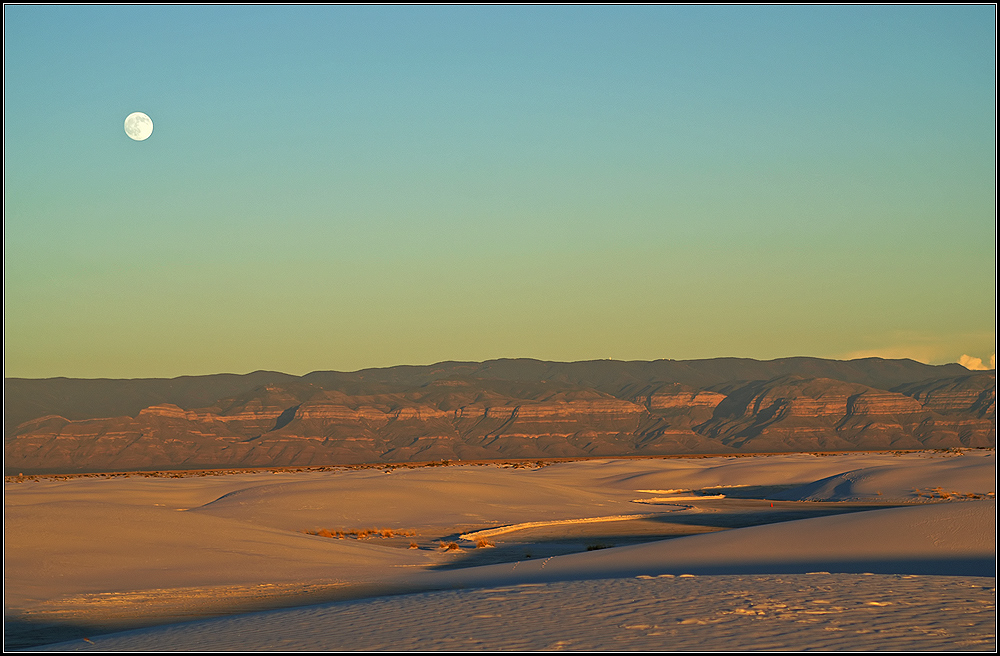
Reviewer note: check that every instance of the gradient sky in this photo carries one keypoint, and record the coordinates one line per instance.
(349, 187)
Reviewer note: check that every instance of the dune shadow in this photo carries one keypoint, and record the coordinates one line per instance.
(541, 549)
(560, 540)
(760, 514)
(19, 633)
(749, 491)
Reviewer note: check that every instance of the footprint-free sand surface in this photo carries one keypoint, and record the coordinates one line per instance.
(731, 612)
(875, 551)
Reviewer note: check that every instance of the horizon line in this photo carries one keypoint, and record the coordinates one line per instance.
(504, 359)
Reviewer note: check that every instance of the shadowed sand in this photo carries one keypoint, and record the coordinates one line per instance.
(87, 556)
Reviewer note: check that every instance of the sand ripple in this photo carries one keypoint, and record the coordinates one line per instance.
(786, 612)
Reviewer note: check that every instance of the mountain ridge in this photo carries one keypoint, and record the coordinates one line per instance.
(507, 408)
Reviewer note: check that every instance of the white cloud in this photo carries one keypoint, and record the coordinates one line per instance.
(929, 348)
(976, 364)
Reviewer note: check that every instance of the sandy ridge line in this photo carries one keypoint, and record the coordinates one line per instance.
(501, 462)
(690, 497)
(510, 528)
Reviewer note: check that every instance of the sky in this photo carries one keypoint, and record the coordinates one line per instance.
(348, 187)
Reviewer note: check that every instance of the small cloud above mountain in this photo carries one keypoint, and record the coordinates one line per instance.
(976, 364)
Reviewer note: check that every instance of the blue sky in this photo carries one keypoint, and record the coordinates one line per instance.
(344, 187)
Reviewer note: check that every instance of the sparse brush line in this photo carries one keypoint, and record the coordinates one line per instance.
(510, 528)
(940, 493)
(362, 534)
(670, 491)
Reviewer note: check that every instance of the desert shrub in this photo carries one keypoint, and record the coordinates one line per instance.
(414, 545)
(362, 534)
(598, 545)
(449, 546)
(392, 533)
(483, 543)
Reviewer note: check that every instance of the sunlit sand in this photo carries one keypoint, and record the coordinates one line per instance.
(875, 551)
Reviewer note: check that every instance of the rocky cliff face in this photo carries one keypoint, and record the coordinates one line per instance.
(974, 394)
(792, 413)
(293, 423)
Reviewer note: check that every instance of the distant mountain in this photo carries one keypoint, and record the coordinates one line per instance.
(496, 409)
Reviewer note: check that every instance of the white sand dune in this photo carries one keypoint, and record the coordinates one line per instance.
(959, 477)
(431, 496)
(113, 553)
(510, 528)
(839, 612)
(945, 539)
(778, 469)
(625, 598)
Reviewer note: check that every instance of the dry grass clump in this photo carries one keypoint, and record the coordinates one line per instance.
(940, 493)
(363, 534)
(450, 546)
(323, 533)
(414, 545)
(483, 543)
(598, 545)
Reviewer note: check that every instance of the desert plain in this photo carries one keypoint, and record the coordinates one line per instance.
(828, 551)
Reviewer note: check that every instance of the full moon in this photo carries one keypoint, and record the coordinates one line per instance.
(138, 126)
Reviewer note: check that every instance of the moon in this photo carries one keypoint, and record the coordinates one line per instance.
(138, 126)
